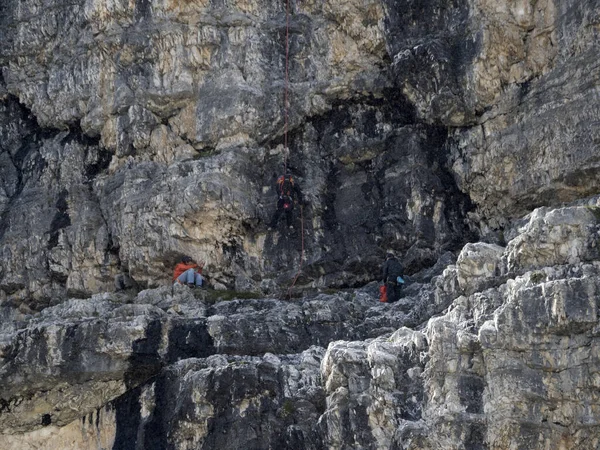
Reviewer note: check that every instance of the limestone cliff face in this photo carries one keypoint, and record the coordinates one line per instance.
(132, 132)
(138, 131)
(510, 360)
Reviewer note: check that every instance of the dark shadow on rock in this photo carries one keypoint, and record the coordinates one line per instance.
(189, 339)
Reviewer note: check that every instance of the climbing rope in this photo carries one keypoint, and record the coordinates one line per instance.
(285, 134)
(289, 293)
(286, 86)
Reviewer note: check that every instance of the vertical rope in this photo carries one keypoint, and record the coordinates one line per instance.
(289, 294)
(285, 132)
(287, 81)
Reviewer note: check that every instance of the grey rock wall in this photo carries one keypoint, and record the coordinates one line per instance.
(394, 109)
(134, 132)
(76, 357)
(515, 81)
(148, 133)
(507, 359)
(537, 139)
(510, 364)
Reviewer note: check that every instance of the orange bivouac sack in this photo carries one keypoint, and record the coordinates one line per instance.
(383, 294)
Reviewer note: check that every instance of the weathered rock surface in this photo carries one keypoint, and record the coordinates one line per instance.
(510, 363)
(227, 402)
(75, 357)
(534, 143)
(372, 388)
(138, 219)
(512, 366)
(518, 80)
(134, 132)
(82, 353)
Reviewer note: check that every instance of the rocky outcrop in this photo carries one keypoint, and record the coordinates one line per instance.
(372, 388)
(132, 133)
(149, 131)
(515, 79)
(519, 352)
(76, 357)
(156, 130)
(509, 362)
(536, 139)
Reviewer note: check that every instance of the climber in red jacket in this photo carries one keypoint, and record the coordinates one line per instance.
(289, 194)
(188, 272)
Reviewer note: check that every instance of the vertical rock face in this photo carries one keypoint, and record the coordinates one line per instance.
(517, 80)
(133, 132)
(159, 125)
(119, 362)
(511, 366)
(246, 403)
(53, 233)
(536, 140)
(509, 363)
(372, 388)
(156, 130)
(433, 46)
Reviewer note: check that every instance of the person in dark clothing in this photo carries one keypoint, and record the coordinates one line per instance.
(289, 194)
(391, 270)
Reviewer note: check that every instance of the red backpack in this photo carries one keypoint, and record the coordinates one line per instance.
(383, 294)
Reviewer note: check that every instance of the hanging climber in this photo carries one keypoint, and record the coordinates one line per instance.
(392, 274)
(289, 194)
(188, 272)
